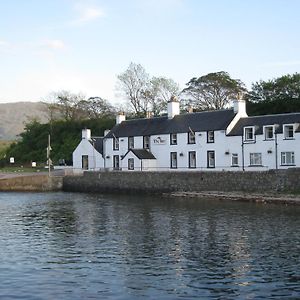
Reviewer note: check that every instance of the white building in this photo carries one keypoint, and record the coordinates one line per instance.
(88, 155)
(212, 140)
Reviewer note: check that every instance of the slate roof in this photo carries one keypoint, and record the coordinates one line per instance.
(201, 121)
(141, 154)
(97, 142)
(260, 121)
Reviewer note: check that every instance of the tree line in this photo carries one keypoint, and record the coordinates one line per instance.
(149, 95)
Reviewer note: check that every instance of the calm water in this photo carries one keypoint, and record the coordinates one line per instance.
(77, 246)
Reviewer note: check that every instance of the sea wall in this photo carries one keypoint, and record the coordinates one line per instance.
(162, 182)
(38, 183)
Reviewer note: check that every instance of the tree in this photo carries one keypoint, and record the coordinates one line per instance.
(134, 83)
(279, 95)
(160, 91)
(212, 91)
(68, 106)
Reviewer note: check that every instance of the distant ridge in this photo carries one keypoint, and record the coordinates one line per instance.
(13, 117)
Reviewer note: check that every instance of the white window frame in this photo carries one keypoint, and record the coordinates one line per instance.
(234, 160)
(246, 129)
(286, 131)
(191, 137)
(146, 142)
(266, 128)
(210, 136)
(173, 139)
(130, 163)
(288, 158)
(131, 142)
(116, 143)
(255, 159)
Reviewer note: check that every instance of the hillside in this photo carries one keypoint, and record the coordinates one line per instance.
(13, 116)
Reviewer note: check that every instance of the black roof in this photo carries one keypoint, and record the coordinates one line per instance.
(260, 121)
(201, 121)
(141, 154)
(97, 142)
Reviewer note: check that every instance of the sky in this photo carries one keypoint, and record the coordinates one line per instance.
(82, 45)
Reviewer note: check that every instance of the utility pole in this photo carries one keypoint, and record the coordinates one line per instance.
(48, 155)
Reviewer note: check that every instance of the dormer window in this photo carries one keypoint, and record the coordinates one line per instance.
(269, 132)
(288, 131)
(249, 134)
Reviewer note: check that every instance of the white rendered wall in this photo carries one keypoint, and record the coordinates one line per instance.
(95, 159)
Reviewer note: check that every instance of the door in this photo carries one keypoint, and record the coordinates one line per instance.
(116, 162)
(85, 162)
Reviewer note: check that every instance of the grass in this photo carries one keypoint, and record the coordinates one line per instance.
(21, 169)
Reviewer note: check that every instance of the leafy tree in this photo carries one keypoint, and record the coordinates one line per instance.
(212, 91)
(69, 107)
(65, 136)
(160, 91)
(279, 95)
(134, 83)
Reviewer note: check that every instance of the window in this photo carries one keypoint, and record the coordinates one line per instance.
(248, 133)
(210, 136)
(116, 143)
(210, 159)
(146, 142)
(192, 159)
(173, 160)
(269, 132)
(288, 131)
(191, 137)
(130, 142)
(234, 160)
(255, 159)
(173, 138)
(130, 164)
(116, 162)
(287, 158)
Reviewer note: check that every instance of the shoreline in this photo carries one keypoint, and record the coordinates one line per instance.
(287, 199)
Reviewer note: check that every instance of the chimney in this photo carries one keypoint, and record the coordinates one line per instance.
(120, 118)
(239, 107)
(86, 134)
(173, 107)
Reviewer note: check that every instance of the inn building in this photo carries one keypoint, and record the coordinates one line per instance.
(226, 139)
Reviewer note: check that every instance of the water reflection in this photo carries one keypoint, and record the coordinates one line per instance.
(77, 246)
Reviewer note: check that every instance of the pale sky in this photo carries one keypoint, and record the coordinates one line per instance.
(82, 45)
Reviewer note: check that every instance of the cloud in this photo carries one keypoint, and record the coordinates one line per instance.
(4, 43)
(54, 44)
(86, 14)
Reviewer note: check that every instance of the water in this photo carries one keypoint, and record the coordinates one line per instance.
(78, 246)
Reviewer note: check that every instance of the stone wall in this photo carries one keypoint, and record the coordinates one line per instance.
(37, 183)
(160, 182)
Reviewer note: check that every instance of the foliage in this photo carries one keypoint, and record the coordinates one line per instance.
(146, 94)
(65, 136)
(69, 107)
(212, 91)
(279, 95)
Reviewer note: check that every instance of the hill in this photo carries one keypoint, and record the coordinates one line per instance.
(13, 116)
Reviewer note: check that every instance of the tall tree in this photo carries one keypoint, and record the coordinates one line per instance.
(134, 83)
(212, 91)
(279, 95)
(160, 91)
